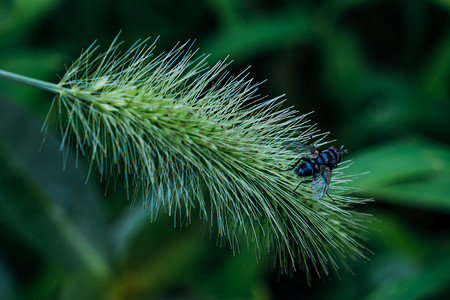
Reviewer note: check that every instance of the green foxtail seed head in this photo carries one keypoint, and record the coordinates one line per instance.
(191, 138)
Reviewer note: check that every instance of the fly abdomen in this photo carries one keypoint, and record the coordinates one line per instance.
(329, 157)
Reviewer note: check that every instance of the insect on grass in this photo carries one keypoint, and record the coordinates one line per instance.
(188, 137)
(318, 165)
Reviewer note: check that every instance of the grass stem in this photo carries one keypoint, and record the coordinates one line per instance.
(43, 85)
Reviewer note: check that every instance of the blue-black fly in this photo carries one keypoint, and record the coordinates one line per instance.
(318, 164)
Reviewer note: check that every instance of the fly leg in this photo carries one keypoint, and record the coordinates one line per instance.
(304, 181)
(329, 196)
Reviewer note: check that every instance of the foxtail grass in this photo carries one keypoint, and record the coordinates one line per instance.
(190, 138)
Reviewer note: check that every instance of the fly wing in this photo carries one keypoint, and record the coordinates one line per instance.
(321, 182)
(298, 147)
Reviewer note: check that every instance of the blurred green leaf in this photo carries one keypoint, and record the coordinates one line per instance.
(158, 257)
(407, 264)
(333, 10)
(22, 15)
(124, 231)
(395, 236)
(42, 163)
(430, 277)
(407, 173)
(242, 266)
(345, 69)
(226, 11)
(443, 3)
(28, 211)
(52, 210)
(436, 70)
(259, 36)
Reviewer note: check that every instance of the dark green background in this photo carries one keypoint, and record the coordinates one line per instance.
(376, 73)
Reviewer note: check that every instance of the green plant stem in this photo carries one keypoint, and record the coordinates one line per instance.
(37, 220)
(43, 85)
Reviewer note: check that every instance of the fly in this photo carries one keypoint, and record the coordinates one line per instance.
(318, 164)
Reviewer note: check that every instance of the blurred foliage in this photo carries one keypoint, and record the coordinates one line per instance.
(376, 73)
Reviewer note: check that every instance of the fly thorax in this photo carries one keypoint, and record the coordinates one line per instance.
(305, 169)
(322, 159)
